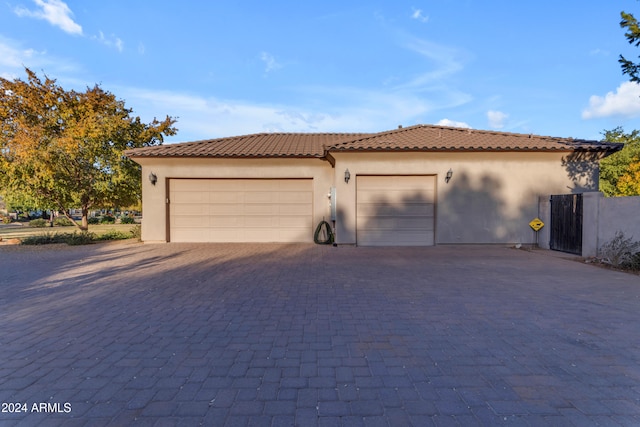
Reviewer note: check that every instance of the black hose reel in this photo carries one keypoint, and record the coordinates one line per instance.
(323, 234)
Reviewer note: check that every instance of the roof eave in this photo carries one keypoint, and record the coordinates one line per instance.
(218, 156)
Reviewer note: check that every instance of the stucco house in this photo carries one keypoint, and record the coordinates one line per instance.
(420, 185)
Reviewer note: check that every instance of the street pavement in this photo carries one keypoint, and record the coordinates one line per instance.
(305, 335)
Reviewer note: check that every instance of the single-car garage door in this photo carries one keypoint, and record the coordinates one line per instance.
(395, 210)
(240, 210)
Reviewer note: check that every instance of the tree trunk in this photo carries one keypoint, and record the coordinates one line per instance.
(85, 219)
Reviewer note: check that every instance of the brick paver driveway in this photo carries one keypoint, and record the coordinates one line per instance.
(280, 335)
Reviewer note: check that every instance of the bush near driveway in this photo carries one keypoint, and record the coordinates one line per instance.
(78, 237)
(17, 233)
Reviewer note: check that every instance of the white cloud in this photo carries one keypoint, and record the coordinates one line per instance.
(14, 57)
(445, 61)
(496, 119)
(332, 109)
(419, 15)
(112, 41)
(348, 110)
(625, 102)
(270, 62)
(56, 12)
(453, 124)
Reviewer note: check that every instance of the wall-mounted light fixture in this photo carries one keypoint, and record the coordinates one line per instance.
(153, 178)
(347, 176)
(448, 177)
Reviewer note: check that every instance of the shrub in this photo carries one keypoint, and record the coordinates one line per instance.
(107, 219)
(93, 220)
(80, 238)
(136, 232)
(38, 223)
(634, 263)
(62, 221)
(6, 219)
(127, 220)
(45, 239)
(620, 251)
(113, 235)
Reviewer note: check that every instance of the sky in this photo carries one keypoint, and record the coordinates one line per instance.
(226, 68)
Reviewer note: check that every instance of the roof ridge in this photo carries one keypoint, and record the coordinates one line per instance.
(402, 129)
(419, 137)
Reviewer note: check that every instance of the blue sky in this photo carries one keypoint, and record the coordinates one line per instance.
(238, 67)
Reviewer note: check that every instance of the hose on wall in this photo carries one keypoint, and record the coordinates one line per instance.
(323, 234)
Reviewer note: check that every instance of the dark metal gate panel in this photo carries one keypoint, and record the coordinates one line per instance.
(566, 223)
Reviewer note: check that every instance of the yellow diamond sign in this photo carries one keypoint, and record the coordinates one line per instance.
(536, 224)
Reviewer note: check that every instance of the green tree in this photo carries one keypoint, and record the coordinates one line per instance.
(64, 149)
(617, 170)
(630, 23)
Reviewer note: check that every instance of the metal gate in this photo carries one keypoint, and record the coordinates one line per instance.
(566, 223)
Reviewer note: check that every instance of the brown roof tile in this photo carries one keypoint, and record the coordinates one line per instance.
(414, 138)
(439, 138)
(255, 145)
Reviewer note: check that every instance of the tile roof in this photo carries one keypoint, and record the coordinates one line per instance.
(414, 138)
(255, 145)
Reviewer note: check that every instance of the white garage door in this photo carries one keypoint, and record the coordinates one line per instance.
(395, 210)
(241, 210)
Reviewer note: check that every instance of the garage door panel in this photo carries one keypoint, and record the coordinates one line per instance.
(192, 221)
(399, 239)
(292, 222)
(294, 210)
(221, 221)
(225, 196)
(265, 209)
(267, 197)
(395, 210)
(409, 223)
(190, 197)
(192, 185)
(241, 210)
(372, 209)
(223, 209)
(191, 209)
(193, 234)
(295, 197)
(396, 197)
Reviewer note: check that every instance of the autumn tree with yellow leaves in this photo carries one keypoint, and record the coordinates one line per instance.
(62, 149)
(620, 172)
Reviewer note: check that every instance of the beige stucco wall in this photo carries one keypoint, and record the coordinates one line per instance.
(618, 214)
(491, 197)
(154, 197)
(603, 217)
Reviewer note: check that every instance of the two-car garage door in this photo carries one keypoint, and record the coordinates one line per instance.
(240, 210)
